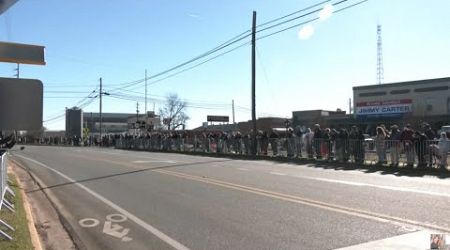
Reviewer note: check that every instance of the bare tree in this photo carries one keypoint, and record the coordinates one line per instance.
(173, 112)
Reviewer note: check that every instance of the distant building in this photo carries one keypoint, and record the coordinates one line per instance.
(111, 122)
(74, 122)
(264, 124)
(307, 118)
(144, 123)
(404, 102)
(218, 127)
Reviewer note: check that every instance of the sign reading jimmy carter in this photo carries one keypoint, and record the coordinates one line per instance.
(21, 102)
(394, 107)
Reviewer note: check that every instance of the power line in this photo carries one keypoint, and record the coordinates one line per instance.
(228, 43)
(224, 45)
(291, 14)
(298, 17)
(199, 64)
(84, 102)
(232, 41)
(310, 20)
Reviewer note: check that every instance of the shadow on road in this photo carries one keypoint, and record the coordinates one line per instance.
(324, 164)
(121, 174)
(383, 170)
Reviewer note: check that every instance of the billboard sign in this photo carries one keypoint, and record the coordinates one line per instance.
(384, 108)
(22, 53)
(217, 118)
(21, 103)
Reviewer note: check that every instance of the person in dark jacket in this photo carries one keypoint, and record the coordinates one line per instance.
(356, 142)
(273, 139)
(406, 137)
(419, 140)
(431, 135)
(317, 141)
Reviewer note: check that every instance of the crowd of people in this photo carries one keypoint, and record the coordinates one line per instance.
(394, 145)
(421, 146)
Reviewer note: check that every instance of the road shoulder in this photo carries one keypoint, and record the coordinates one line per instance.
(51, 231)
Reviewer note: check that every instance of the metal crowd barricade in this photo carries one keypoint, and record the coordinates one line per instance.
(361, 151)
(4, 203)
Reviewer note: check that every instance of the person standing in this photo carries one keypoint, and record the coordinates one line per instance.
(318, 137)
(444, 146)
(394, 144)
(273, 139)
(264, 143)
(431, 136)
(309, 137)
(419, 140)
(298, 141)
(380, 145)
(290, 143)
(406, 137)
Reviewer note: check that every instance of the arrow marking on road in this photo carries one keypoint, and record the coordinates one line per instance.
(115, 231)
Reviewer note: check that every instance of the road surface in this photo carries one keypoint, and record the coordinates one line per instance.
(114, 199)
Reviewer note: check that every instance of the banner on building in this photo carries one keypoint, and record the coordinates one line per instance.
(384, 108)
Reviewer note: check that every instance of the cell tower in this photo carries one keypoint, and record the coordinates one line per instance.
(380, 69)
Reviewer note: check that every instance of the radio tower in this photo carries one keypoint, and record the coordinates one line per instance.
(380, 70)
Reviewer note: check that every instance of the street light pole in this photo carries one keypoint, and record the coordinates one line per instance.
(101, 118)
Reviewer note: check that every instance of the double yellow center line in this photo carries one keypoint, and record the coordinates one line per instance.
(308, 202)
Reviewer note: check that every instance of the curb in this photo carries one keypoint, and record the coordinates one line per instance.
(76, 241)
(30, 219)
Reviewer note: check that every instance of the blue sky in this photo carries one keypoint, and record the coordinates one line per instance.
(118, 40)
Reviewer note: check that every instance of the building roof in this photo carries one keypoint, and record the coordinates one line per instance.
(401, 84)
(87, 115)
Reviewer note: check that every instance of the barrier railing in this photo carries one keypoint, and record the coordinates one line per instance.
(382, 152)
(4, 203)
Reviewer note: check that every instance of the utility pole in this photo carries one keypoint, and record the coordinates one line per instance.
(232, 106)
(101, 118)
(137, 112)
(137, 118)
(146, 91)
(253, 84)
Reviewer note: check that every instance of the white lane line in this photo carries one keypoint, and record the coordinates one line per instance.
(136, 154)
(154, 161)
(418, 240)
(277, 173)
(243, 169)
(175, 244)
(361, 184)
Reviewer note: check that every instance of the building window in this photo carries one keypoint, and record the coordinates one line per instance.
(400, 91)
(372, 94)
(430, 89)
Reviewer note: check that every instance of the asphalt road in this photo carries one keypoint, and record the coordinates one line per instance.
(114, 199)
